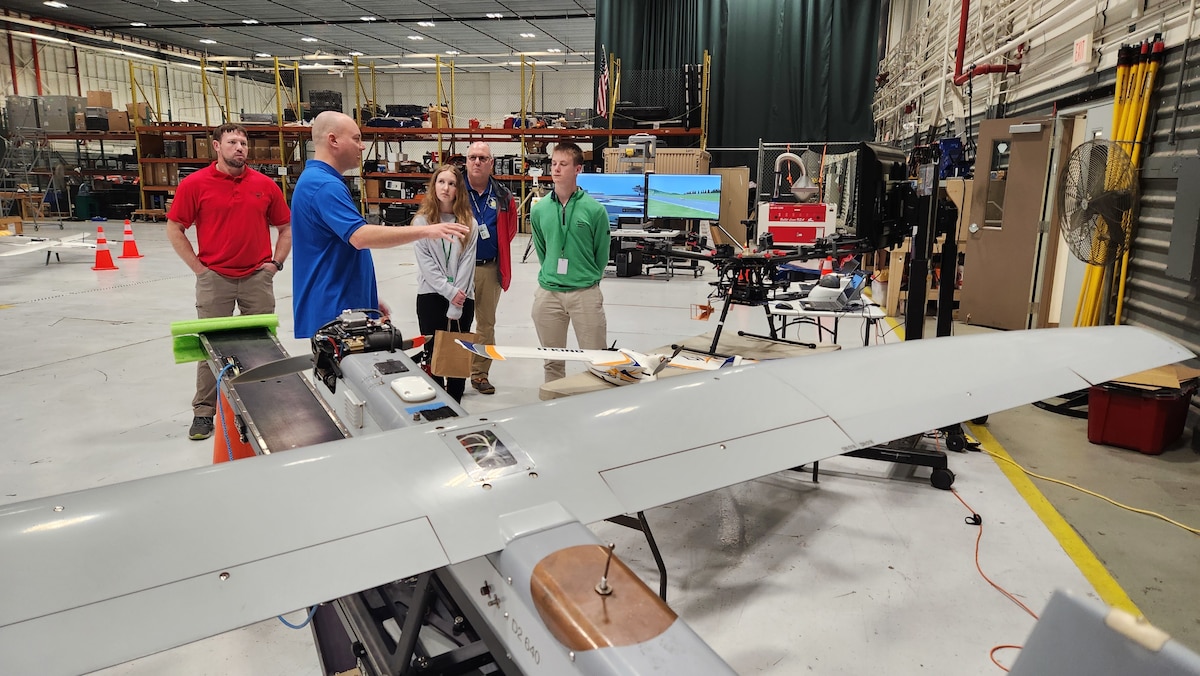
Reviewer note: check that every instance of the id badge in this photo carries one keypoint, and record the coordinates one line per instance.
(483, 232)
(562, 266)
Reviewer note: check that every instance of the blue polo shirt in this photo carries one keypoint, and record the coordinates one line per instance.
(329, 274)
(484, 207)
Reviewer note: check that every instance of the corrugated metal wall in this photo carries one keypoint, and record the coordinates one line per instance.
(1155, 299)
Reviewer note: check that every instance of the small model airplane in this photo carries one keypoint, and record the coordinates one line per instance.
(24, 245)
(616, 366)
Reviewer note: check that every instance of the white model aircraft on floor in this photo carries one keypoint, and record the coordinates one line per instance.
(23, 245)
(108, 574)
(616, 366)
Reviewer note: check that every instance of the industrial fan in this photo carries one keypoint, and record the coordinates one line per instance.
(1096, 194)
(1096, 197)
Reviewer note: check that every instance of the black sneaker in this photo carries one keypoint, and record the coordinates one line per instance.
(202, 428)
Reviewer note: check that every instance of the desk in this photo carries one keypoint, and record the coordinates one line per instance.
(793, 312)
(751, 348)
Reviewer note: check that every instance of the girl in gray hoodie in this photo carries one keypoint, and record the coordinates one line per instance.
(446, 270)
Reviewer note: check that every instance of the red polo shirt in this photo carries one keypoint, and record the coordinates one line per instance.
(232, 215)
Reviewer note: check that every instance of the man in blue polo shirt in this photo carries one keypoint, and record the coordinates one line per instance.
(331, 240)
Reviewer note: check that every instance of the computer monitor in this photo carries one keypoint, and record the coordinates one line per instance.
(683, 196)
(623, 195)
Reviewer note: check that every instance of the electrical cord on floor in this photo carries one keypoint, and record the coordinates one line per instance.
(221, 409)
(977, 521)
(312, 611)
(1146, 512)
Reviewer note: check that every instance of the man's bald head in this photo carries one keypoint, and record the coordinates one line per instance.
(328, 123)
(337, 140)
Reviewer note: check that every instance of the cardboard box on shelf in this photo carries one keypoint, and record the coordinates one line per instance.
(118, 120)
(372, 188)
(172, 174)
(202, 149)
(439, 117)
(100, 99)
(139, 114)
(160, 173)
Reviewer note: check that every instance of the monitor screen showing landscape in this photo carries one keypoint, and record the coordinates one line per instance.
(683, 196)
(623, 195)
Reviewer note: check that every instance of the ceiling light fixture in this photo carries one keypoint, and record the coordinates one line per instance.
(356, 53)
(554, 50)
(528, 35)
(427, 24)
(263, 55)
(55, 5)
(249, 22)
(179, 0)
(453, 52)
(494, 15)
(137, 24)
(415, 37)
(368, 18)
(206, 41)
(308, 39)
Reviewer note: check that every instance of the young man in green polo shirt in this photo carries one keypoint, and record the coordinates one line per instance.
(571, 236)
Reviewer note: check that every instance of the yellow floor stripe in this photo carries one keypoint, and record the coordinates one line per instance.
(1091, 567)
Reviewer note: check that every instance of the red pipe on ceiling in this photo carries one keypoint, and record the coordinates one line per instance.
(37, 65)
(961, 78)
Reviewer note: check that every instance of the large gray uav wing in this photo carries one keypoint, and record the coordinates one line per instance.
(105, 575)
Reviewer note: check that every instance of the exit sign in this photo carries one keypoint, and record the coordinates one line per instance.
(1082, 55)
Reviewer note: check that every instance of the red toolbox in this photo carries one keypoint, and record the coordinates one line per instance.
(1146, 420)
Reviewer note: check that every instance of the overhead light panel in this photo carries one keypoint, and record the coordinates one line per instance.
(528, 35)
(249, 22)
(179, 0)
(415, 37)
(427, 24)
(263, 55)
(494, 15)
(137, 24)
(308, 39)
(453, 52)
(554, 50)
(368, 18)
(356, 53)
(206, 41)
(55, 5)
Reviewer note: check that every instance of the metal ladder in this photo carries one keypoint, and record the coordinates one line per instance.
(28, 150)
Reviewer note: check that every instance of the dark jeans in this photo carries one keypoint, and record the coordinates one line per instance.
(431, 317)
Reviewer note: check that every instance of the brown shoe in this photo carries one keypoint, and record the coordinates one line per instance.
(482, 385)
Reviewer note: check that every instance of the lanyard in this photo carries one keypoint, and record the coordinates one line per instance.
(487, 196)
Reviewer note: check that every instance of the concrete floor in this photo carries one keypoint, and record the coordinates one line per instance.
(870, 568)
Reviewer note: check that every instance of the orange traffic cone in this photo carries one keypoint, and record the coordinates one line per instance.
(827, 266)
(129, 249)
(224, 423)
(104, 259)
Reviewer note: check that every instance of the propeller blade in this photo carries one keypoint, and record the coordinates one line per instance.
(667, 362)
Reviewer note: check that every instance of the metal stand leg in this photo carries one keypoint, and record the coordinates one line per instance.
(641, 524)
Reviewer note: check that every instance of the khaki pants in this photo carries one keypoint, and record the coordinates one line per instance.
(553, 311)
(216, 296)
(487, 297)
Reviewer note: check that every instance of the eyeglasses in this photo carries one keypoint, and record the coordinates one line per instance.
(478, 158)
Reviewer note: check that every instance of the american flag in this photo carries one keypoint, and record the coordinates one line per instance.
(602, 87)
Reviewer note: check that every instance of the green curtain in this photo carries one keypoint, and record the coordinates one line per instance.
(782, 70)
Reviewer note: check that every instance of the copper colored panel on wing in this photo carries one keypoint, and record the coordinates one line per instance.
(564, 592)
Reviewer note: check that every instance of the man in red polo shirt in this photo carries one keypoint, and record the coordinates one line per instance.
(233, 208)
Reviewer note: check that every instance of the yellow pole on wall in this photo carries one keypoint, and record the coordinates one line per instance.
(283, 179)
(204, 89)
(704, 100)
(357, 89)
(157, 116)
(132, 84)
(614, 92)
(226, 115)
